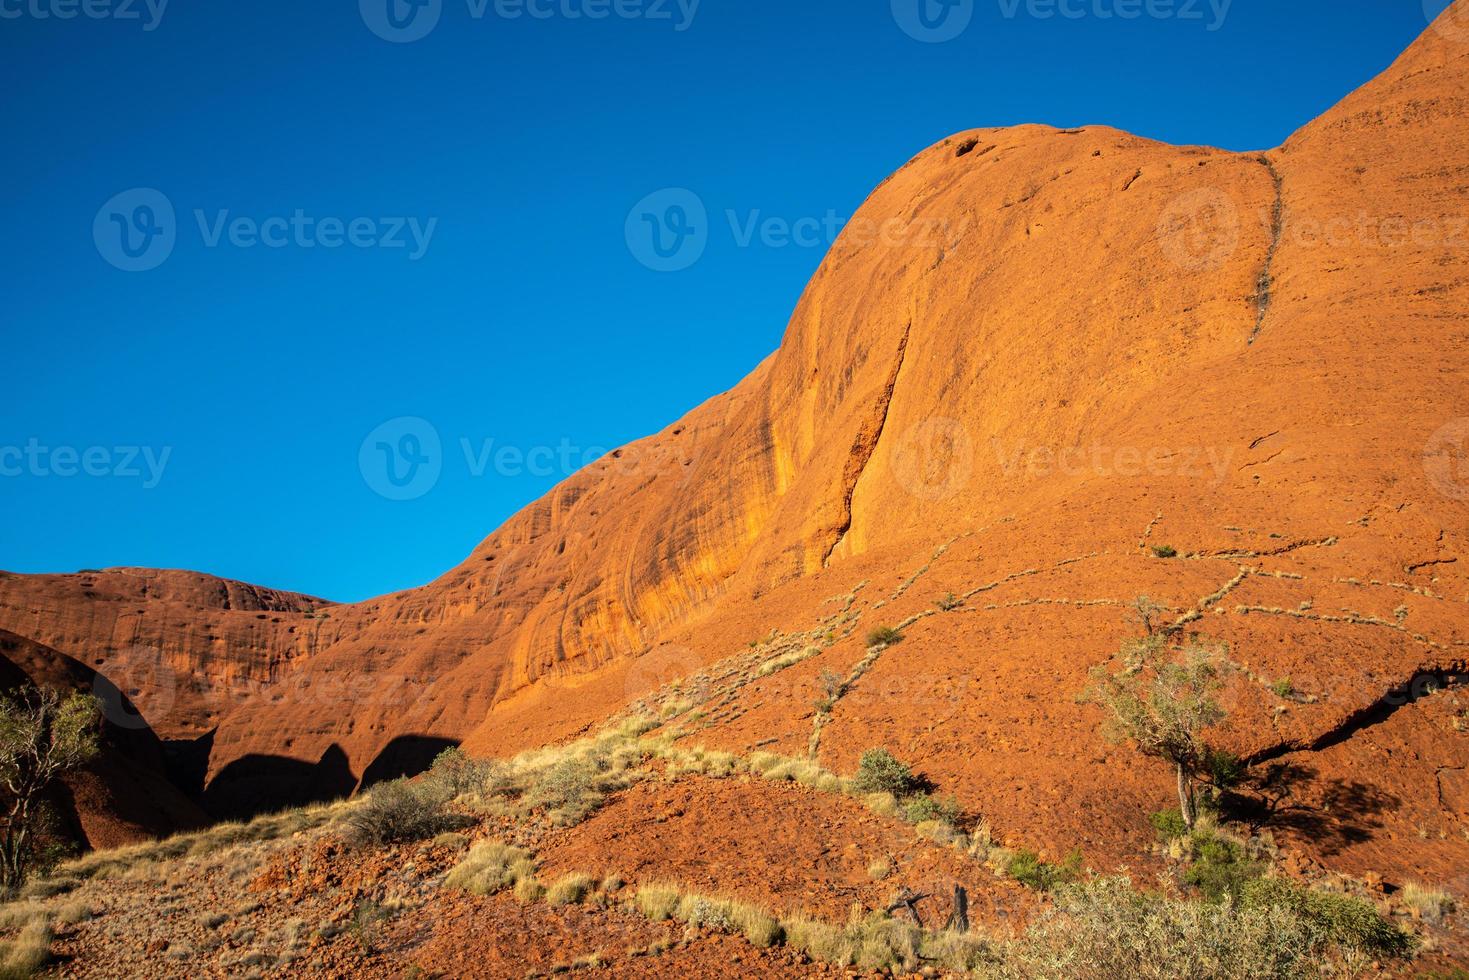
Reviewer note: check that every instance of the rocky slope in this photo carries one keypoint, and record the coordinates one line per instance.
(1033, 356)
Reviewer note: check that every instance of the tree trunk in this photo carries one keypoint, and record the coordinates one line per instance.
(959, 918)
(1185, 797)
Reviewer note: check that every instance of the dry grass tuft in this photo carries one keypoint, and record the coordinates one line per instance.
(489, 867)
(1429, 904)
(27, 952)
(570, 889)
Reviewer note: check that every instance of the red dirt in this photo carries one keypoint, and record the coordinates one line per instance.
(778, 846)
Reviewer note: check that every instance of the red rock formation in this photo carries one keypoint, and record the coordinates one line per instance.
(1055, 348)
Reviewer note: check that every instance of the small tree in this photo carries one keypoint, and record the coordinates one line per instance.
(1146, 613)
(42, 736)
(1162, 699)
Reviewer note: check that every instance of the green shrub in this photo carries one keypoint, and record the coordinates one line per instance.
(949, 602)
(880, 772)
(1103, 929)
(400, 811)
(1165, 551)
(458, 773)
(884, 636)
(1223, 769)
(1284, 687)
(1220, 868)
(1330, 920)
(1027, 868)
(1169, 824)
(922, 807)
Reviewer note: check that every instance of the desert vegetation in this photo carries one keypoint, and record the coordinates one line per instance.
(1228, 906)
(1161, 698)
(43, 735)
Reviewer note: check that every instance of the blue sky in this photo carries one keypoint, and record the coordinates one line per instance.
(368, 227)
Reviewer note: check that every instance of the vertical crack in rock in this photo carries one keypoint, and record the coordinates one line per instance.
(1277, 227)
(865, 445)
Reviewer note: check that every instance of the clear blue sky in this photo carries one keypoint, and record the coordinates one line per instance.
(527, 319)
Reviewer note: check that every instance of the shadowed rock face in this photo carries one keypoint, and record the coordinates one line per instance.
(1055, 349)
(126, 793)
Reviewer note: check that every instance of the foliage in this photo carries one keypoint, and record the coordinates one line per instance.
(1220, 867)
(401, 810)
(570, 889)
(1330, 920)
(1164, 551)
(24, 955)
(42, 736)
(880, 772)
(1104, 928)
(1162, 699)
(489, 867)
(1027, 868)
(458, 773)
(1169, 824)
(832, 685)
(922, 807)
(884, 636)
(1146, 613)
(1431, 904)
